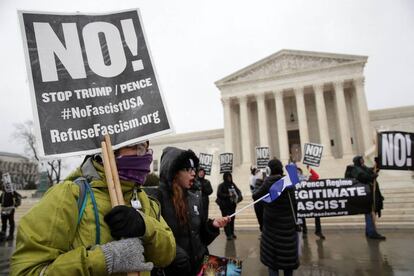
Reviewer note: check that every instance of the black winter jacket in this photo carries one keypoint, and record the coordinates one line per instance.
(191, 239)
(10, 199)
(226, 201)
(368, 176)
(279, 242)
(204, 186)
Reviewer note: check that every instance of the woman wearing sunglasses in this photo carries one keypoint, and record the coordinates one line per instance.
(183, 211)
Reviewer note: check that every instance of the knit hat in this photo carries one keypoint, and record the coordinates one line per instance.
(274, 167)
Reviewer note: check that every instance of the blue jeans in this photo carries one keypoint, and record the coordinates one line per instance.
(369, 225)
(276, 272)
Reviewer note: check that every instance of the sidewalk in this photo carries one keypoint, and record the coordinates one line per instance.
(344, 252)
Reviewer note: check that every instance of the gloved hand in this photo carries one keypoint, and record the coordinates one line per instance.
(125, 222)
(181, 264)
(125, 256)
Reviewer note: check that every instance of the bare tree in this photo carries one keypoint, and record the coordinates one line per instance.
(24, 133)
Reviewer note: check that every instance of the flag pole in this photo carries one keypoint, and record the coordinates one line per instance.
(250, 204)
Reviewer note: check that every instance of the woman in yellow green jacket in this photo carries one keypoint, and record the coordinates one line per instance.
(58, 237)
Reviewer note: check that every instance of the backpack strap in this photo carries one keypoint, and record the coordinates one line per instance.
(85, 190)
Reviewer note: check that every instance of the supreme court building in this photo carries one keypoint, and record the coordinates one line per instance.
(288, 99)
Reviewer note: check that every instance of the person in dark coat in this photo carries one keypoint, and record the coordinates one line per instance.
(368, 176)
(258, 207)
(279, 242)
(203, 185)
(183, 211)
(228, 195)
(9, 201)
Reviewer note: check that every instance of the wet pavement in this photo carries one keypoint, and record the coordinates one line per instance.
(6, 249)
(344, 252)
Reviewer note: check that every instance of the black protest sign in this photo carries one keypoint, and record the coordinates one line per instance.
(206, 161)
(262, 157)
(91, 74)
(226, 162)
(332, 197)
(395, 150)
(313, 154)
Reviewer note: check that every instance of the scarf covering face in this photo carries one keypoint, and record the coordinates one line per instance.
(134, 168)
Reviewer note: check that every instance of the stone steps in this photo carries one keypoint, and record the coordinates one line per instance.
(339, 226)
(353, 218)
(246, 214)
(398, 210)
(27, 204)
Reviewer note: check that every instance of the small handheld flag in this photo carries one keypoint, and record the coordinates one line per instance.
(278, 187)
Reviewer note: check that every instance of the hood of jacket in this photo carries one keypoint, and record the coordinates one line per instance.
(174, 159)
(357, 160)
(225, 175)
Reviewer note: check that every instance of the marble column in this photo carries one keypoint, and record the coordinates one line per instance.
(262, 118)
(245, 130)
(281, 126)
(322, 120)
(344, 131)
(303, 123)
(363, 113)
(228, 125)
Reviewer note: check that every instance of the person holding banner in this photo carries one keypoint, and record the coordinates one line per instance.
(62, 235)
(318, 228)
(279, 242)
(183, 211)
(368, 176)
(228, 196)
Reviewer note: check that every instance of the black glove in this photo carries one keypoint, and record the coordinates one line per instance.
(125, 222)
(181, 264)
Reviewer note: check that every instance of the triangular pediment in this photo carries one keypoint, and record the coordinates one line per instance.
(287, 62)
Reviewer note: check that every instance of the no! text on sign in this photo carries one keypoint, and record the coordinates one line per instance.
(313, 154)
(91, 74)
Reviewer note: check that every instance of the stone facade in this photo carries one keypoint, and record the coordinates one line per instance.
(286, 100)
(21, 169)
(306, 97)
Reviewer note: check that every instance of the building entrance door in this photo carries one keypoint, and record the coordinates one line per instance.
(295, 152)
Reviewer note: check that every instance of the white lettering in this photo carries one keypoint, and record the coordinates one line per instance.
(49, 46)
(399, 150)
(112, 63)
(387, 150)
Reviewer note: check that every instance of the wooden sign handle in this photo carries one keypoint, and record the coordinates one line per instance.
(114, 171)
(112, 178)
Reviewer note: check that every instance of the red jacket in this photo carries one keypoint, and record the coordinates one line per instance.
(314, 176)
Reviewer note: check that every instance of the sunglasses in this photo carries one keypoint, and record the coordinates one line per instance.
(142, 148)
(189, 169)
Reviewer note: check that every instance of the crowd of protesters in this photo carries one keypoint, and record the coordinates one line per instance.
(74, 230)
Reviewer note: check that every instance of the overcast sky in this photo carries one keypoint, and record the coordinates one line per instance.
(195, 43)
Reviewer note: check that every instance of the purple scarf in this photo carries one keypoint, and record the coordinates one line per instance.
(134, 168)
